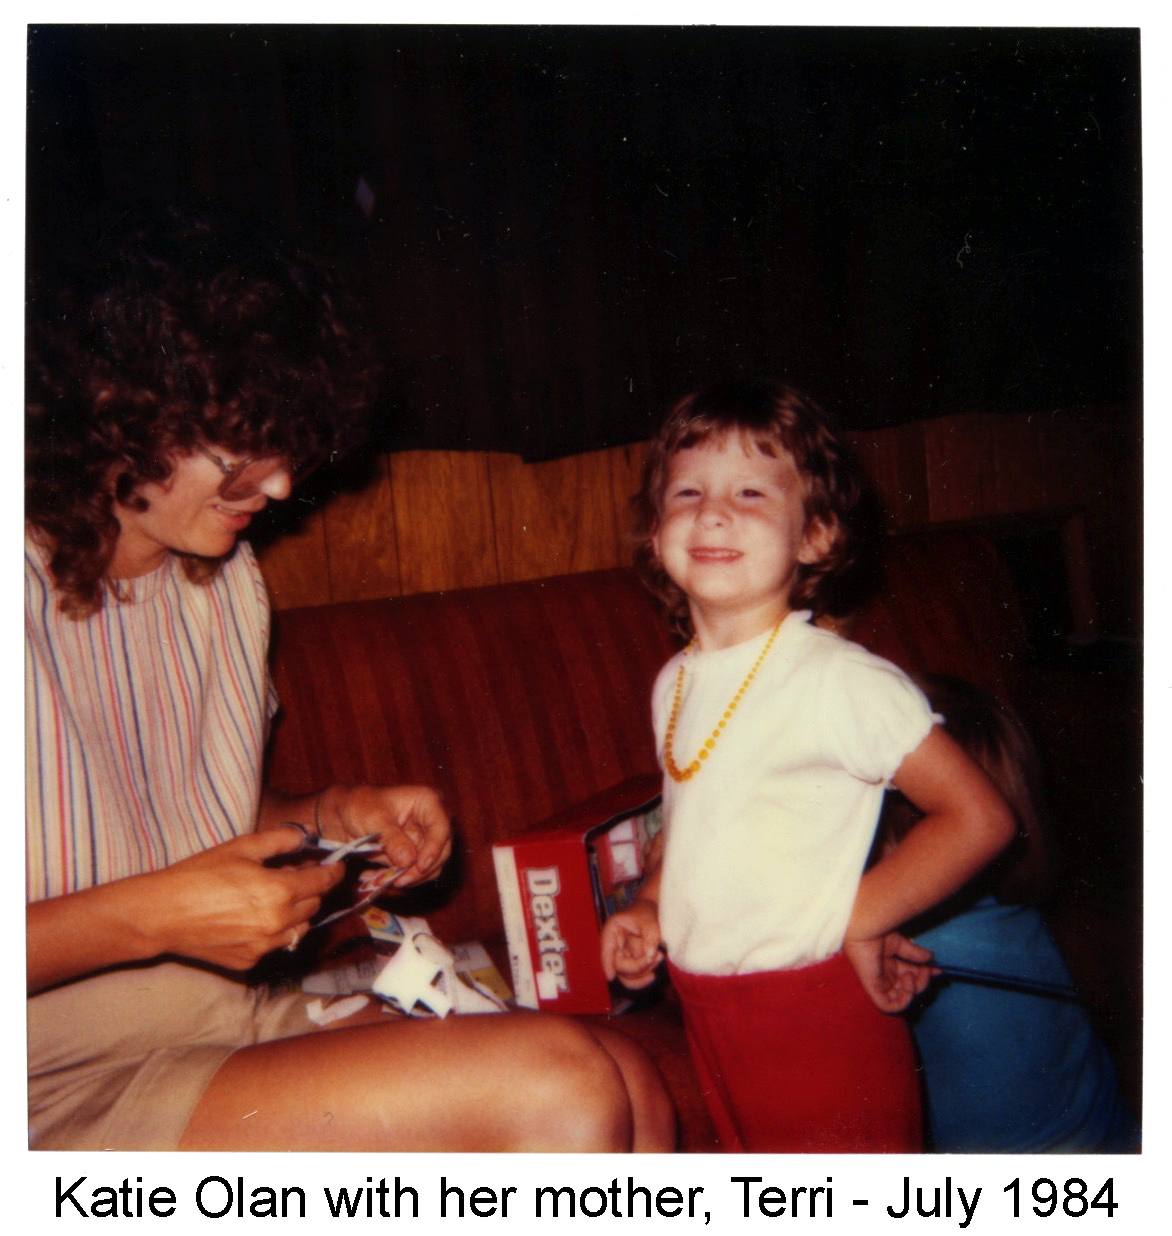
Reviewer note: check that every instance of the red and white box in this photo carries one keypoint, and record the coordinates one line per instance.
(558, 884)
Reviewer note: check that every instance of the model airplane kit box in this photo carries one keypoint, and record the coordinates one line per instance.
(558, 884)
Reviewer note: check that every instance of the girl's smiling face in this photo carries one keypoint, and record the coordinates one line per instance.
(732, 533)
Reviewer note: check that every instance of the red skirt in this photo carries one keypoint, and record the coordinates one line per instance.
(801, 1061)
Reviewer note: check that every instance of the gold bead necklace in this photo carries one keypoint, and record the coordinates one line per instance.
(685, 774)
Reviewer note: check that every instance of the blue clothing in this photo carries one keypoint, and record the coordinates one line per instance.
(1010, 1070)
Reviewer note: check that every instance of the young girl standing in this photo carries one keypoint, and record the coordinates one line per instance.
(778, 740)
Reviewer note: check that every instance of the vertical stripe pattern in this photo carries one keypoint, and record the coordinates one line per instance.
(145, 723)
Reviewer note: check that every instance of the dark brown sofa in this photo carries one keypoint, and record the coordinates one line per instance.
(521, 700)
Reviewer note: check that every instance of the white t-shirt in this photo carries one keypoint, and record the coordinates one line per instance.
(766, 844)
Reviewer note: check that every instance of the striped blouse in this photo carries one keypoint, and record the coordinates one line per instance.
(145, 723)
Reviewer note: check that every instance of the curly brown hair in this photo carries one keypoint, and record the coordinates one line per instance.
(774, 417)
(195, 330)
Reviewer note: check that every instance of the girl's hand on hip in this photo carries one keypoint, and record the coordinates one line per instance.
(892, 969)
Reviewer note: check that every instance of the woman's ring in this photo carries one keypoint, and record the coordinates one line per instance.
(291, 947)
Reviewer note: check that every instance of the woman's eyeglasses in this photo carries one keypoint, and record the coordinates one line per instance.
(245, 478)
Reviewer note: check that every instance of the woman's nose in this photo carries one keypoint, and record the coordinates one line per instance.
(278, 485)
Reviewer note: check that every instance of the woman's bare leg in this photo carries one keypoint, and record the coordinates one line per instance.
(653, 1116)
(516, 1083)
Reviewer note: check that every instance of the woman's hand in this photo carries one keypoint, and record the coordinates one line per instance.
(415, 829)
(630, 945)
(224, 906)
(892, 969)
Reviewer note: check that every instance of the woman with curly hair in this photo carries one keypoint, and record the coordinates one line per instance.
(169, 400)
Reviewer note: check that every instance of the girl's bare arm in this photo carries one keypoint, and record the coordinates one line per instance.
(966, 824)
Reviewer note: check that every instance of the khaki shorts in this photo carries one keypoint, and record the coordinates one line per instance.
(119, 1061)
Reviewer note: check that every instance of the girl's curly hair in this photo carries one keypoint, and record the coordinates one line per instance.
(195, 330)
(774, 417)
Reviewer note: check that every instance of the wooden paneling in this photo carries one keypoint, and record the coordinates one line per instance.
(959, 455)
(360, 537)
(443, 520)
(1094, 463)
(553, 518)
(434, 520)
(894, 460)
(626, 476)
(1019, 465)
(296, 565)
